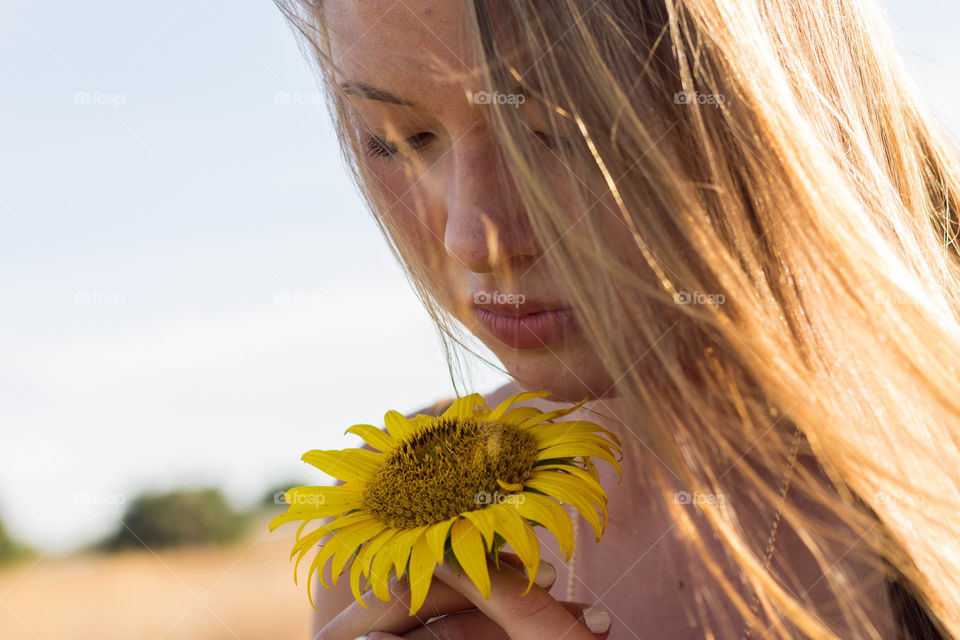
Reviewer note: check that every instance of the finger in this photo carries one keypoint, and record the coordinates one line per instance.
(523, 617)
(546, 572)
(471, 624)
(477, 626)
(394, 616)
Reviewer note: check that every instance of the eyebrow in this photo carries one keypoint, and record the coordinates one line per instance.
(364, 90)
(370, 92)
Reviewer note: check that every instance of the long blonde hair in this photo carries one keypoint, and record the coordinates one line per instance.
(769, 158)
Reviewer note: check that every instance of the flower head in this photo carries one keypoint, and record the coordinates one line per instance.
(458, 486)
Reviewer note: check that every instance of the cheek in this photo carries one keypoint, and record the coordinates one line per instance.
(415, 211)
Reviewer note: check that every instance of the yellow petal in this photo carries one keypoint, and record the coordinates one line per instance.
(517, 397)
(550, 415)
(370, 550)
(341, 546)
(320, 502)
(510, 486)
(555, 431)
(551, 515)
(464, 407)
(376, 438)
(293, 515)
(566, 450)
(422, 564)
(566, 490)
(401, 545)
(484, 522)
(517, 415)
(520, 536)
(468, 548)
(380, 571)
(584, 476)
(591, 468)
(338, 491)
(572, 439)
(357, 465)
(355, 571)
(436, 537)
(301, 527)
(351, 540)
(319, 561)
(330, 527)
(422, 420)
(398, 425)
(303, 544)
(362, 564)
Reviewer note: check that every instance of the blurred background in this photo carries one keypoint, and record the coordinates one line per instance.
(193, 295)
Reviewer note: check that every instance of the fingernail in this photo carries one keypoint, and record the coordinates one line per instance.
(597, 620)
(546, 574)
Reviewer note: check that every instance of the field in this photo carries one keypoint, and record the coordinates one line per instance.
(243, 591)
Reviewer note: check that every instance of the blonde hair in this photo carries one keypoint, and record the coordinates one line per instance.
(772, 159)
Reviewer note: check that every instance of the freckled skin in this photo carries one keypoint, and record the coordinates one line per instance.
(455, 203)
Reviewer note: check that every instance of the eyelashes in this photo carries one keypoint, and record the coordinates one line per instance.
(378, 147)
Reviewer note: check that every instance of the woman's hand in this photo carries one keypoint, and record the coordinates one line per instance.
(506, 615)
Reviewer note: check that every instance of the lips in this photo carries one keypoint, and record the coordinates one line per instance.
(526, 326)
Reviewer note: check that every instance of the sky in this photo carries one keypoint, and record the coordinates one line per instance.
(191, 291)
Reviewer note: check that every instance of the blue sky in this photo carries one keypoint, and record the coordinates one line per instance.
(192, 291)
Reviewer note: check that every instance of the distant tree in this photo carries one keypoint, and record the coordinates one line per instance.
(10, 549)
(182, 517)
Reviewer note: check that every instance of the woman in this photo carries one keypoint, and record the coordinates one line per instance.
(730, 225)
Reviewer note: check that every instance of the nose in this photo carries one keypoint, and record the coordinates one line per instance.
(486, 229)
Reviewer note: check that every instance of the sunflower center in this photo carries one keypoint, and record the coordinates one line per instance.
(449, 467)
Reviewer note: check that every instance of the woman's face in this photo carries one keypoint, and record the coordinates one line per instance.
(437, 162)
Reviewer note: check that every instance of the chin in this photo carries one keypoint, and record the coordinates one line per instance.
(570, 372)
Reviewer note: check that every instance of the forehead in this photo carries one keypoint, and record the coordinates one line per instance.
(398, 42)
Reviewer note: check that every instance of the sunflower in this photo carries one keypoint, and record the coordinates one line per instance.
(457, 487)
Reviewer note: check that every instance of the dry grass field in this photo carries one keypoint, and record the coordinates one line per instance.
(242, 591)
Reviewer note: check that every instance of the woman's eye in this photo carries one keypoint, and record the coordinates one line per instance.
(552, 143)
(546, 140)
(380, 147)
